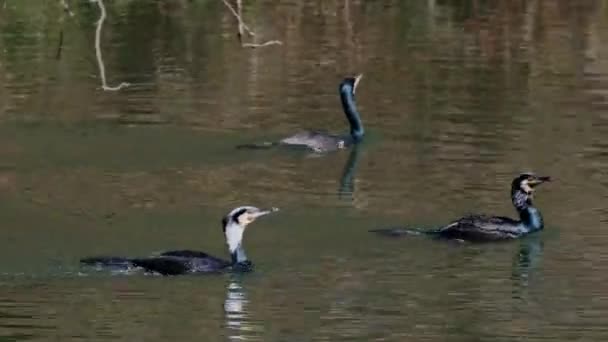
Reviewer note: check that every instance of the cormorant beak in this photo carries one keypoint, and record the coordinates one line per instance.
(538, 180)
(261, 212)
(357, 80)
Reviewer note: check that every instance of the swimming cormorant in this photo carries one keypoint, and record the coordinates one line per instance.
(491, 228)
(187, 261)
(319, 141)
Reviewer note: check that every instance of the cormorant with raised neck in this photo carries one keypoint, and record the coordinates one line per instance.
(320, 141)
(188, 261)
(491, 228)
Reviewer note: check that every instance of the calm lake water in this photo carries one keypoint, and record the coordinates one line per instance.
(457, 98)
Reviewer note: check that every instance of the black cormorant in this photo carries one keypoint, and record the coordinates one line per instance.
(319, 141)
(187, 261)
(491, 228)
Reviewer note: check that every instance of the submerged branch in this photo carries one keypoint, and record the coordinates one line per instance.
(102, 68)
(59, 46)
(66, 8)
(243, 27)
(270, 42)
(68, 11)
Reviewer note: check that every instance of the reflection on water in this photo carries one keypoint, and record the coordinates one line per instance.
(346, 191)
(239, 323)
(527, 263)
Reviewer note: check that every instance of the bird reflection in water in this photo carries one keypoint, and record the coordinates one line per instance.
(526, 265)
(238, 323)
(347, 180)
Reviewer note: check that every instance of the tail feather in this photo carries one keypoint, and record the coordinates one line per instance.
(258, 146)
(105, 261)
(400, 231)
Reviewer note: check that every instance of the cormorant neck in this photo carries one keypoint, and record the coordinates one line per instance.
(234, 239)
(350, 109)
(238, 255)
(528, 214)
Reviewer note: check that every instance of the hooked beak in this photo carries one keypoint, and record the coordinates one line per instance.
(357, 80)
(539, 180)
(263, 212)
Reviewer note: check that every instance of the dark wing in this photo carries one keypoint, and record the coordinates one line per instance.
(198, 256)
(164, 265)
(482, 228)
(182, 262)
(207, 265)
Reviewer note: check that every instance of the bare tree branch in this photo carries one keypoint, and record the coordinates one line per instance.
(243, 27)
(242, 24)
(102, 68)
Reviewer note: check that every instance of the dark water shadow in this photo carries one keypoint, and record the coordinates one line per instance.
(17, 325)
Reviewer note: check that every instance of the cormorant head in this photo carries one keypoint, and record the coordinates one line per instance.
(522, 188)
(235, 222)
(350, 84)
(527, 181)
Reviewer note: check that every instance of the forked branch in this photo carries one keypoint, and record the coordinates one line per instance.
(244, 28)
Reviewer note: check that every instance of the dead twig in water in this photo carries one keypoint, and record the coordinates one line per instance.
(243, 27)
(102, 68)
(270, 42)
